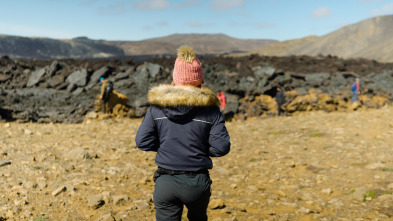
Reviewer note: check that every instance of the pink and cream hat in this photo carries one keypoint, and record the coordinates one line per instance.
(188, 69)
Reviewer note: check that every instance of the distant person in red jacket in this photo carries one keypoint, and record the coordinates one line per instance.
(223, 100)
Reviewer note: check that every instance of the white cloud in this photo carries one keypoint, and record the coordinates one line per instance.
(147, 28)
(113, 9)
(88, 2)
(162, 24)
(258, 25)
(321, 12)
(237, 24)
(222, 5)
(386, 9)
(245, 14)
(264, 25)
(198, 24)
(188, 3)
(370, 1)
(151, 4)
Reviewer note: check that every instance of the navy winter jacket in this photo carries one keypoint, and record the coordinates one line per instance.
(185, 127)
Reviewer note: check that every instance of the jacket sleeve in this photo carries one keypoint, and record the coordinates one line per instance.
(219, 138)
(147, 137)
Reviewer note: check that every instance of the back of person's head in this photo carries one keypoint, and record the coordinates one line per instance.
(188, 69)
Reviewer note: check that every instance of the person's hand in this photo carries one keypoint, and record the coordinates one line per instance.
(100, 97)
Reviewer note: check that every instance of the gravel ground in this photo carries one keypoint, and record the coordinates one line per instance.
(310, 166)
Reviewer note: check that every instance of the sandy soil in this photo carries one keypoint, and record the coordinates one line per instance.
(311, 166)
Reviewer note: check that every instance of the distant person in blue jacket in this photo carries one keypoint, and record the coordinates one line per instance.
(355, 88)
(185, 126)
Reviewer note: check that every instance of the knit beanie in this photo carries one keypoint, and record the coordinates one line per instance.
(188, 69)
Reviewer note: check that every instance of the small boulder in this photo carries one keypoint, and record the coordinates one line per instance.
(119, 199)
(95, 202)
(77, 154)
(216, 204)
(59, 190)
(106, 217)
(92, 115)
(141, 204)
(35, 77)
(79, 78)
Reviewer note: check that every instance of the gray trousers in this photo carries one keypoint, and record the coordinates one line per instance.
(354, 96)
(172, 192)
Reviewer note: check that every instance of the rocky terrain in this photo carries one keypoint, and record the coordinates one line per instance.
(309, 166)
(64, 90)
(329, 159)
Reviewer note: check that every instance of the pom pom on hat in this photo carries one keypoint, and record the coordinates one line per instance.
(188, 69)
(186, 53)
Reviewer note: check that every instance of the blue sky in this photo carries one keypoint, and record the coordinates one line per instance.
(133, 20)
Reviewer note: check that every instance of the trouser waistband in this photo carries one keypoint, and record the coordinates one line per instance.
(176, 172)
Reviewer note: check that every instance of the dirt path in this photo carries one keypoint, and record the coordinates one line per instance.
(312, 166)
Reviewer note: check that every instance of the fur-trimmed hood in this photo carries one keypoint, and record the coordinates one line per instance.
(166, 95)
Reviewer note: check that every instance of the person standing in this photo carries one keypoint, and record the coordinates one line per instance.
(185, 126)
(223, 100)
(280, 100)
(106, 90)
(355, 88)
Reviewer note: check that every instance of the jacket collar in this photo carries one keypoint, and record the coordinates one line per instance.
(178, 95)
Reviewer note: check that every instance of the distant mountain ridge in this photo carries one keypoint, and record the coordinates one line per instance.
(371, 38)
(46, 48)
(84, 48)
(212, 44)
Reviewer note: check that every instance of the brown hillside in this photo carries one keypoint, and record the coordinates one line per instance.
(370, 38)
(358, 40)
(202, 44)
(381, 51)
(280, 48)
